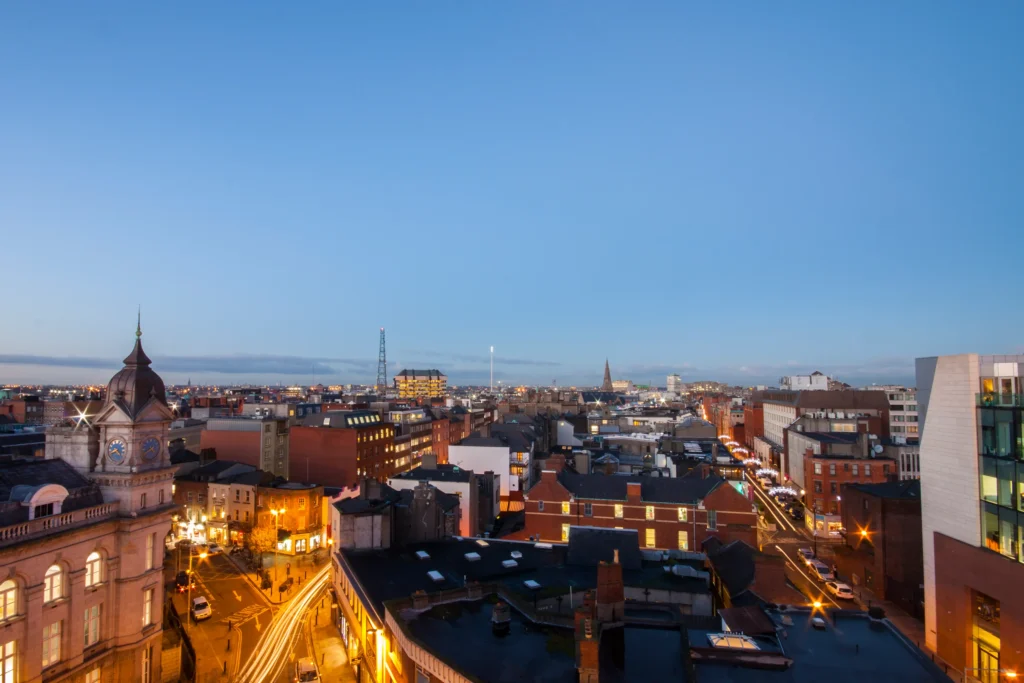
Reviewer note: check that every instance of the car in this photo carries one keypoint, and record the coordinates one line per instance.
(821, 569)
(201, 608)
(306, 671)
(840, 590)
(806, 554)
(214, 549)
(185, 581)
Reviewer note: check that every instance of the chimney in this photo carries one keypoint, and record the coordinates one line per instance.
(610, 592)
(633, 491)
(615, 556)
(555, 462)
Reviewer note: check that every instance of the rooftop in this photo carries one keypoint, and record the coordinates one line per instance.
(908, 490)
(438, 473)
(432, 374)
(652, 489)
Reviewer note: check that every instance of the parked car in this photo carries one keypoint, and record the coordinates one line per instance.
(806, 554)
(823, 571)
(201, 609)
(306, 671)
(214, 549)
(184, 581)
(840, 590)
(797, 514)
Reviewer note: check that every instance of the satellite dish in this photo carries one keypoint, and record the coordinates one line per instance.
(878, 448)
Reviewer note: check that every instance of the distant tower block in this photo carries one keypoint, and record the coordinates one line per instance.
(382, 367)
(607, 385)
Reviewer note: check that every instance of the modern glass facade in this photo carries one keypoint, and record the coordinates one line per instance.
(1001, 451)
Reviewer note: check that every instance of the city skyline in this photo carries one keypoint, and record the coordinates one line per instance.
(766, 188)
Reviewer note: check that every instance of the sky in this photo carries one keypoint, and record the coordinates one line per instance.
(731, 191)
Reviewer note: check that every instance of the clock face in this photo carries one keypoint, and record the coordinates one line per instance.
(116, 450)
(150, 448)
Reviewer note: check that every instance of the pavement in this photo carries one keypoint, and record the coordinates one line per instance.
(329, 649)
(279, 567)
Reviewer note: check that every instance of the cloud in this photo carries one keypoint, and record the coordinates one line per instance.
(240, 364)
(482, 359)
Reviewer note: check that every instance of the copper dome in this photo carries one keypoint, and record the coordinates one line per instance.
(136, 384)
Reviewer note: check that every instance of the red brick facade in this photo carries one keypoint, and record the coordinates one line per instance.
(962, 572)
(753, 423)
(547, 517)
(439, 439)
(825, 476)
(340, 456)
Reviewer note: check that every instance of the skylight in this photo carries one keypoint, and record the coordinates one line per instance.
(508, 564)
(516, 555)
(543, 546)
(435, 576)
(472, 557)
(736, 641)
(423, 554)
(531, 584)
(482, 543)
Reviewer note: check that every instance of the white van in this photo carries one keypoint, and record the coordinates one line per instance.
(823, 571)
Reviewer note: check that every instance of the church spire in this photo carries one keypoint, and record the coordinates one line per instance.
(138, 325)
(607, 385)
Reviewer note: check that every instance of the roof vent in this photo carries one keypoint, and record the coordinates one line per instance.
(508, 564)
(472, 557)
(482, 543)
(435, 576)
(517, 555)
(423, 554)
(543, 546)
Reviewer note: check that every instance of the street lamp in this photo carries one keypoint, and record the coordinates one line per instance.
(277, 517)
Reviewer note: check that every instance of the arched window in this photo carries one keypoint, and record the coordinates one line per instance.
(53, 584)
(8, 599)
(93, 569)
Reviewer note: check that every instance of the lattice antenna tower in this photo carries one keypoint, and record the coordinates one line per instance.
(382, 367)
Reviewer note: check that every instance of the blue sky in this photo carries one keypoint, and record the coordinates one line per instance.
(732, 191)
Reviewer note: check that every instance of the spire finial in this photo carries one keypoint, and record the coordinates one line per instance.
(138, 325)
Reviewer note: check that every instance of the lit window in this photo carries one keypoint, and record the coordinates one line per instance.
(684, 541)
(650, 512)
(51, 644)
(817, 468)
(93, 676)
(867, 470)
(92, 625)
(682, 514)
(565, 508)
(9, 662)
(53, 584)
(147, 665)
(150, 544)
(147, 608)
(93, 569)
(565, 533)
(649, 538)
(618, 511)
(8, 599)
(712, 519)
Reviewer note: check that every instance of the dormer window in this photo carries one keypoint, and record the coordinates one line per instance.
(42, 510)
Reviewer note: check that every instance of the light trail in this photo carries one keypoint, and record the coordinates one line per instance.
(812, 582)
(781, 518)
(273, 648)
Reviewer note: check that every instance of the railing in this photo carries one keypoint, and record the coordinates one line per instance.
(998, 399)
(15, 533)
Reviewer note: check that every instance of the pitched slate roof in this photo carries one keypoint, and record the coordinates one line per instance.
(908, 490)
(652, 489)
(734, 564)
(588, 546)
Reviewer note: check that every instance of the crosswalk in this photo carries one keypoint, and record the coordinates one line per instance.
(244, 614)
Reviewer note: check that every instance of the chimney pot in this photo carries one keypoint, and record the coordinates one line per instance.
(615, 556)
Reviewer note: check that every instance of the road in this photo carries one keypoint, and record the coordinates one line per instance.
(234, 600)
(287, 637)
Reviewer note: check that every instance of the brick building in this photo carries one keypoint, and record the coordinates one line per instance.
(340, 447)
(753, 421)
(258, 441)
(883, 551)
(439, 437)
(666, 513)
(300, 527)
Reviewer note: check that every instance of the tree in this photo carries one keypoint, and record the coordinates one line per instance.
(262, 539)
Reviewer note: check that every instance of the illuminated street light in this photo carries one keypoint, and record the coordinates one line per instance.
(817, 604)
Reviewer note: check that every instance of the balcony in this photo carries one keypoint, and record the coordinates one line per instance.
(999, 400)
(35, 528)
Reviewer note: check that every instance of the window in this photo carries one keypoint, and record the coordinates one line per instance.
(302, 503)
(649, 512)
(246, 515)
(649, 538)
(885, 469)
(833, 487)
(43, 510)
(51, 644)
(684, 541)
(147, 607)
(92, 625)
(8, 599)
(565, 533)
(588, 509)
(422, 676)
(565, 508)
(147, 665)
(160, 497)
(682, 514)
(142, 501)
(856, 470)
(540, 506)
(9, 662)
(93, 676)
(53, 586)
(817, 487)
(618, 511)
(832, 469)
(817, 468)
(93, 569)
(188, 496)
(238, 494)
(150, 545)
(713, 519)
(867, 470)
